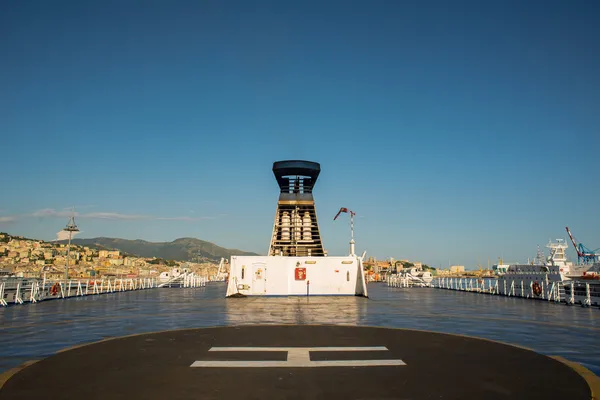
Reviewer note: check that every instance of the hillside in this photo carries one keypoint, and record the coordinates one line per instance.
(184, 249)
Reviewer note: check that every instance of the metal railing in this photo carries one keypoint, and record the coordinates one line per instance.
(32, 291)
(186, 279)
(405, 280)
(550, 291)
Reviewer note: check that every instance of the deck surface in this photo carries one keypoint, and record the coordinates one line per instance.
(299, 362)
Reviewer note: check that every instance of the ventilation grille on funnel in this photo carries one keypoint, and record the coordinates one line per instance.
(296, 230)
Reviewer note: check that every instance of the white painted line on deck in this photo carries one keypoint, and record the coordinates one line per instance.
(298, 357)
(372, 348)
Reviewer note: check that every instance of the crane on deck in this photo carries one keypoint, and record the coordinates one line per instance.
(583, 253)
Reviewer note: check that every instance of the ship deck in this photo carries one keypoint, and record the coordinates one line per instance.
(298, 362)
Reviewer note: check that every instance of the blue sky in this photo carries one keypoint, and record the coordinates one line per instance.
(458, 131)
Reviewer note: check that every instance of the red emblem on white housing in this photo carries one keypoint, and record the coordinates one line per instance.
(300, 274)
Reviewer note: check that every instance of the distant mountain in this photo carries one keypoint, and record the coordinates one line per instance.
(184, 249)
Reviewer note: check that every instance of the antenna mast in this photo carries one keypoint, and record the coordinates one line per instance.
(352, 214)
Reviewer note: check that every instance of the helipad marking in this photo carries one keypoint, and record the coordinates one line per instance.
(298, 357)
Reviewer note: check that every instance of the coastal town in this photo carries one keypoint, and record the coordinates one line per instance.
(30, 258)
(376, 270)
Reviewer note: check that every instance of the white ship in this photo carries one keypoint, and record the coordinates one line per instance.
(409, 277)
(552, 278)
(297, 263)
(539, 279)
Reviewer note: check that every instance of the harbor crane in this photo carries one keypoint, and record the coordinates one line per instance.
(583, 253)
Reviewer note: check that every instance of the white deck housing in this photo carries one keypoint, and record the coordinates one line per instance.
(296, 276)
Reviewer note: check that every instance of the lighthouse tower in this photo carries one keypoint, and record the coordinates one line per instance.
(296, 230)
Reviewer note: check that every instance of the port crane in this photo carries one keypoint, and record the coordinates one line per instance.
(583, 253)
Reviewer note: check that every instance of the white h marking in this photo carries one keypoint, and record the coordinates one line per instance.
(298, 357)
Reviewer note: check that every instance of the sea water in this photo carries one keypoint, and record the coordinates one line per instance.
(34, 331)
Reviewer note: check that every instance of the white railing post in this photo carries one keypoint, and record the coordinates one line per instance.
(588, 299)
(543, 291)
(32, 293)
(572, 295)
(2, 301)
(18, 298)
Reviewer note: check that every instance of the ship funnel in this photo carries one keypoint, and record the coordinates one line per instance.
(296, 231)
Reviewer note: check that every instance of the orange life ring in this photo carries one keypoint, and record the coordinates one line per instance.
(537, 289)
(54, 289)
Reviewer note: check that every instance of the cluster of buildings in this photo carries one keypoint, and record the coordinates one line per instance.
(459, 271)
(33, 258)
(377, 270)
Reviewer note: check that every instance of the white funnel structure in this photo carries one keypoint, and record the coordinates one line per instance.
(297, 263)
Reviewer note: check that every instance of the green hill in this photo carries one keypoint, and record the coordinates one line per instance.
(183, 249)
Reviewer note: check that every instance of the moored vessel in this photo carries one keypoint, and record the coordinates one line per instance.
(551, 277)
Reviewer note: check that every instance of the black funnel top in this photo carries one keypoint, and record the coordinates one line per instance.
(296, 176)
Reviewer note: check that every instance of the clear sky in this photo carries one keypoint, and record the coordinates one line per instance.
(458, 131)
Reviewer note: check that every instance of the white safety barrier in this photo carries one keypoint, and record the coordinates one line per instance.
(186, 280)
(544, 290)
(37, 290)
(404, 281)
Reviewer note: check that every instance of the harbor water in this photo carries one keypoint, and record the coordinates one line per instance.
(34, 331)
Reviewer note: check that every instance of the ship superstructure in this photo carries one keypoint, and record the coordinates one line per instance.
(297, 263)
(535, 278)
